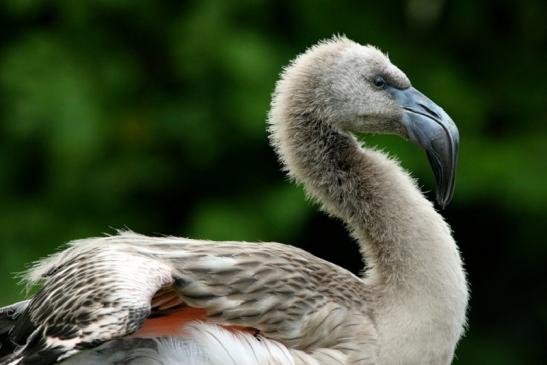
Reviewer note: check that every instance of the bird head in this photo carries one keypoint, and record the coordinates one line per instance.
(357, 89)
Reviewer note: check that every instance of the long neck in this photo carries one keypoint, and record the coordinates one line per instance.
(405, 243)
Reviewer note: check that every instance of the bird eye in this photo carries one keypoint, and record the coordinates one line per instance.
(379, 81)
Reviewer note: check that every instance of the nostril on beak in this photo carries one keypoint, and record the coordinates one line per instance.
(430, 111)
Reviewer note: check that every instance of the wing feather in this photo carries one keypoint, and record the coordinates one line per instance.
(91, 293)
(101, 289)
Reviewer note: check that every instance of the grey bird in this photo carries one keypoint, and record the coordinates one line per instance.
(133, 299)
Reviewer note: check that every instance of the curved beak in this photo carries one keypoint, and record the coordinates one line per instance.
(429, 126)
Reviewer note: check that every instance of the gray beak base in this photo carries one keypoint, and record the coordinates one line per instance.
(429, 126)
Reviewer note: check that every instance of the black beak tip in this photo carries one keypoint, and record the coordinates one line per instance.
(444, 197)
(442, 202)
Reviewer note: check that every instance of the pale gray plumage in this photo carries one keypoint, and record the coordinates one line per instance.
(409, 308)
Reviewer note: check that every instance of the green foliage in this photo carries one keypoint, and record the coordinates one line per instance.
(151, 115)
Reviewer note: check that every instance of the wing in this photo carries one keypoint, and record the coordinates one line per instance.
(105, 288)
(8, 318)
(91, 293)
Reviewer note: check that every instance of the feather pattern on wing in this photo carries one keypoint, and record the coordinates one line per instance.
(101, 289)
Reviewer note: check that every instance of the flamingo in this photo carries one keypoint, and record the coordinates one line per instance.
(133, 299)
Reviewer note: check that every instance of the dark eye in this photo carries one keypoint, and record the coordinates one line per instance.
(379, 81)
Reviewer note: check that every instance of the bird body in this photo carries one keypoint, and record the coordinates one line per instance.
(267, 286)
(169, 300)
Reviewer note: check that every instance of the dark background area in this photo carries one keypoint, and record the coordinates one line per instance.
(151, 115)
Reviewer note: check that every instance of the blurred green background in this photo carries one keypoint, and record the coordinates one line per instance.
(151, 115)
